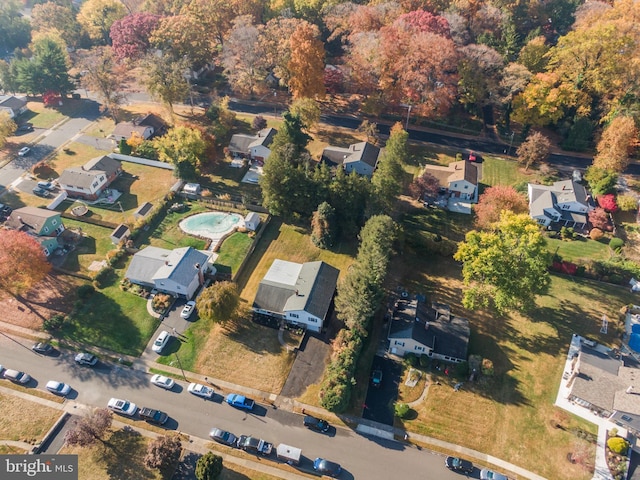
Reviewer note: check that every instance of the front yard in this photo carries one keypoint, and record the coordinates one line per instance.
(25, 421)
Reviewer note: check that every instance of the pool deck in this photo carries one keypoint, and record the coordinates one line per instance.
(216, 238)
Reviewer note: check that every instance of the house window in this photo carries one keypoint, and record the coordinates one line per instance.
(455, 185)
(466, 186)
(397, 342)
(46, 252)
(420, 349)
(294, 315)
(54, 222)
(45, 229)
(95, 184)
(313, 320)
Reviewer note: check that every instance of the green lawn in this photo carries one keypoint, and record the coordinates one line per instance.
(168, 233)
(232, 252)
(577, 250)
(498, 171)
(93, 247)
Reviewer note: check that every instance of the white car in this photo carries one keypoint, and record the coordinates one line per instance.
(200, 390)
(58, 388)
(24, 151)
(16, 376)
(163, 382)
(124, 407)
(161, 341)
(486, 474)
(188, 309)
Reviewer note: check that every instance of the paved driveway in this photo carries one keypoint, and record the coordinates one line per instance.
(175, 325)
(379, 403)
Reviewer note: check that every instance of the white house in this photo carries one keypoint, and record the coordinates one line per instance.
(566, 203)
(255, 147)
(361, 158)
(299, 294)
(91, 179)
(147, 126)
(14, 106)
(252, 221)
(178, 272)
(459, 178)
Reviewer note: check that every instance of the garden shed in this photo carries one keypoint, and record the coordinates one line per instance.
(252, 221)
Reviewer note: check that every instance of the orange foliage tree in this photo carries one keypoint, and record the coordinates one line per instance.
(494, 201)
(23, 263)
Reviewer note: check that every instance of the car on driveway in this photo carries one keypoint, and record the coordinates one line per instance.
(486, 474)
(58, 388)
(327, 467)
(223, 437)
(123, 407)
(25, 127)
(200, 390)
(458, 465)
(46, 185)
(316, 424)
(376, 378)
(24, 151)
(40, 192)
(161, 341)
(163, 382)
(86, 359)
(188, 309)
(16, 376)
(43, 348)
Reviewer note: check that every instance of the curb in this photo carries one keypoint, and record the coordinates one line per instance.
(50, 433)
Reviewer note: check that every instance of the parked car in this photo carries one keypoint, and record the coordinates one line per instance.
(161, 341)
(188, 309)
(223, 437)
(486, 474)
(163, 382)
(124, 407)
(152, 415)
(24, 151)
(58, 388)
(46, 185)
(25, 127)
(326, 467)
(16, 376)
(316, 424)
(86, 359)
(254, 445)
(240, 401)
(458, 465)
(376, 378)
(40, 192)
(5, 209)
(43, 348)
(200, 390)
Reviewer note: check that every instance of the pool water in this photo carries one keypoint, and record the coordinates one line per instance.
(210, 223)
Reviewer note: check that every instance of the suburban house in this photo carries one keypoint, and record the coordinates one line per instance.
(120, 234)
(88, 182)
(299, 294)
(179, 272)
(459, 178)
(565, 203)
(44, 225)
(428, 330)
(607, 382)
(148, 126)
(255, 147)
(360, 157)
(14, 106)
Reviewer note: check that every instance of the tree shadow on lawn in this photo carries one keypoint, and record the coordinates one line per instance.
(336, 138)
(270, 235)
(123, 456)
(256, 338)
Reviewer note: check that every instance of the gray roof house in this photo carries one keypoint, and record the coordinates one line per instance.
(147, 127)
(300, 294)
(608, 383)
(565, 203)
(255, 147)
(360, 157)
(14, 106)
(422, 330)
(178, 272)
(42, 224)
(91, 179)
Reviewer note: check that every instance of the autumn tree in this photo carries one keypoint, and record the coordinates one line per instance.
(505, 267)
(185, 148)
(608, 202)
(130, 35)
(218, 302)
(627, 202)
(534, 149)
(306, 65)
(23, 263)
(426, 185)
(90, 429)
(534, 54)
(308, 110)
(163, 452)
(7, 127)
(105, 77)
(480, 71)
(165, 79)
(616, 144)
(51, 16)
(387, 178)
(370, 129)
(496, 200)
(601, 181)
(97, 17)
(258, 123)
(183, 37)
(323, 229)
(209, 467)
(276, 41)
(599, 218)
(9, 77)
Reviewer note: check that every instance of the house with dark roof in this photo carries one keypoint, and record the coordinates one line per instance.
(14, 106)
(299, 294)
(178, 272)
(89, 180)
(361, 158)
(255, 147)
(565, 203)
(42, 224)
(147, 127)
(608, 383)
(459, 178)
(428, 330)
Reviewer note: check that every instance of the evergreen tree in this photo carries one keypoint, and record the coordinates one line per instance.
(291, 132)
(387, 179)
(323, 226)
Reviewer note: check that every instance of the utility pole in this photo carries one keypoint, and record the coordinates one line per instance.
(511, 143)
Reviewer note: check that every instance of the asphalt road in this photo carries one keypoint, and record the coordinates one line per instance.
(361, 456)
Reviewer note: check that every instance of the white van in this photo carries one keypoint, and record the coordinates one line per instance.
(288, 454)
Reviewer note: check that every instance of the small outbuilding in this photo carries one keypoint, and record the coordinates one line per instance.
(252, 221)
(142, 211)
(120, 234)
(192, 188)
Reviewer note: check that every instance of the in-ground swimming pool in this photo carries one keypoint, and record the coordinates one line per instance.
(210, 224)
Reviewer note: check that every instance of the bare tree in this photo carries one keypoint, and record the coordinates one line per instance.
(163, 452)
(90, 428)
(534, 149)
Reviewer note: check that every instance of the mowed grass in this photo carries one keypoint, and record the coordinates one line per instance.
(500, 171)
(232, 252)
(75, 154)
(580, 249)
(93, 247)
(41, 116)
(168, 233)
(510, 415)
(25, 421)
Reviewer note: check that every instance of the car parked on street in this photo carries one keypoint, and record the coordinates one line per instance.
(223, 437)
(458, 465)
(123, 407)
(86, 359)
(327, 467)
(16, 376)
(200, 390)
(163, 382)
(154, 416)
(188, 309)
(254, 445)
(58, 388)
(24, 151)
(161, 341)
(240, 401)
(486, 474)
(316, 424)
(43, 348)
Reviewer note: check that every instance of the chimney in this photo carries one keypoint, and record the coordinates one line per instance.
(166, 262)
(630, 389)
(200, 273)
(426, 325)
(20, 219)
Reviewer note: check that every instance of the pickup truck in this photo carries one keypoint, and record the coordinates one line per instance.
(153, 416)
(254, 445)
(240, 401)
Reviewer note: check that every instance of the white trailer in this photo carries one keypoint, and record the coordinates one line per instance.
(288, 454)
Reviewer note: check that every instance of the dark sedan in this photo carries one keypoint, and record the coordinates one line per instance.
(42, 348)
(459, 465)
